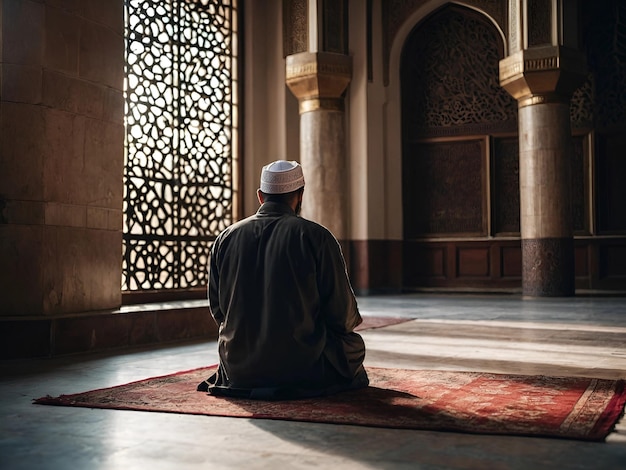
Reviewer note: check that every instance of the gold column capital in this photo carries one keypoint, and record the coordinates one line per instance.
(318, 79)
(543, 74)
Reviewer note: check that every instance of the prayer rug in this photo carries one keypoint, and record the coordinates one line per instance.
(372, 322)
(475, 402)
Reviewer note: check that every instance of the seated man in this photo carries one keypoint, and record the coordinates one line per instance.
(280, 294)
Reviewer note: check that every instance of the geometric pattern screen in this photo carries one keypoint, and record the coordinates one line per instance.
(180, 159)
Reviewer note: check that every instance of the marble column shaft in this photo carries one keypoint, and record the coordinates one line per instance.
(318, 80)
(322, 153)
(546, 216)
(543, 79)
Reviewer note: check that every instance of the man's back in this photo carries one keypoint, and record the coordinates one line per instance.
(280, 293)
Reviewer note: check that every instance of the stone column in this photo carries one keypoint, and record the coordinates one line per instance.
(543, 69)
(61, 157)
(318, 80)
(543, 79)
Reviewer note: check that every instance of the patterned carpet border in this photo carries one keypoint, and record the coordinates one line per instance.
(473, 402)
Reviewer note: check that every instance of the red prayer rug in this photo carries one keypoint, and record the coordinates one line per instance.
(370, 323)
(475, 402)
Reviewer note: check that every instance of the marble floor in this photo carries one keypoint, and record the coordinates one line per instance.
(582, 336)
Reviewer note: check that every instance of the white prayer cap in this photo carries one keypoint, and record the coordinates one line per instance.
(281, 177)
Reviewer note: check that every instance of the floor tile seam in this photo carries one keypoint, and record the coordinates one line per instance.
(595, 328)
(512, 349)
(502, 365)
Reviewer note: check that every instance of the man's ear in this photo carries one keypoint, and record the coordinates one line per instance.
(260, 196)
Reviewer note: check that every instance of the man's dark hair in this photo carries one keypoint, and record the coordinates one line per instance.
(284, 198)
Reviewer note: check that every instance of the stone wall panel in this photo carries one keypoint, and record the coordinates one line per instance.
(22, 212)
(62, 37)
(64, 163)
(70, 94)
(106, 13)
(113, 110)
(21, 83)
(103, 163)
(101, 55)
(75, 263)
(60, 162)
(21, 247)
(21, 152)
(72, 6)
(22, 32)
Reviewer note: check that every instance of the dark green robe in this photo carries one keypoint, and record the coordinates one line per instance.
(280, 294)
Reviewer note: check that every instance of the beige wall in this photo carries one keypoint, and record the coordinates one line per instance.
(368, 183)
(271, 120)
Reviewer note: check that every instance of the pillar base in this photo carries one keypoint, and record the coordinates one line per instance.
(548, 267)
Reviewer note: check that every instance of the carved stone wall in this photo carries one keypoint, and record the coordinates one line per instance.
(506, 186)
(611, 177)
(395, 12)
(449, 89)
(539, 22)
(335, 26)
(601, 101)
(443, 189)
(295, 27)
(434, 115)
(581, 105)
(579, 186)
(450, 78)
(604, 37)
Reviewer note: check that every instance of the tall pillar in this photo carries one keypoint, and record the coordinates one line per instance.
(61, 157)
(318, 80)
(542, 72)
(318, 70)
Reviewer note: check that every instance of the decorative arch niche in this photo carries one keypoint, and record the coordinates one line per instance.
(459, 164)
(452, 103)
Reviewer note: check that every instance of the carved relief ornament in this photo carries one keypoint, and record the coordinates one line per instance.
(543, 74)
(318, 79)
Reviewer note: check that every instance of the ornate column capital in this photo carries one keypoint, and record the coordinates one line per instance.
(543, 74)
(318, 79)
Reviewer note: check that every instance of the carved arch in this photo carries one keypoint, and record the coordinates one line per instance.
(412, 13)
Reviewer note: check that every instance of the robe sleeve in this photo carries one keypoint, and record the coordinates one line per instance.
(338, 304)
(214, 282)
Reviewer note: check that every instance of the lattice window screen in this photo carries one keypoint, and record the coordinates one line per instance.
(181, 134)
